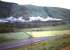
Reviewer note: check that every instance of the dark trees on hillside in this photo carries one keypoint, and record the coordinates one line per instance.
(5, 9)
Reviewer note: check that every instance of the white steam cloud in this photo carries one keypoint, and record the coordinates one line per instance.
(21, 19)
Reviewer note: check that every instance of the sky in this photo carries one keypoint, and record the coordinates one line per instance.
(50, 3)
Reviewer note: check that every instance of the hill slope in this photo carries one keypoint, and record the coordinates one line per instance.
(12, 9)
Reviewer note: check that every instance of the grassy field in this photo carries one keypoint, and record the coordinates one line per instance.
(49, 33)
(38, 32)
(10, 28)
(7, 37)
(56, 44)
(47, 28)
(59, 43)
(24, 35)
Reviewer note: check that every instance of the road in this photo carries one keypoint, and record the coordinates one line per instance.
(22, 42)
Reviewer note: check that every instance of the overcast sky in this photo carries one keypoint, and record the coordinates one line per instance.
(51, 3)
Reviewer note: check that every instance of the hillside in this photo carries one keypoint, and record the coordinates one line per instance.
(12, 9)
(13, 15)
